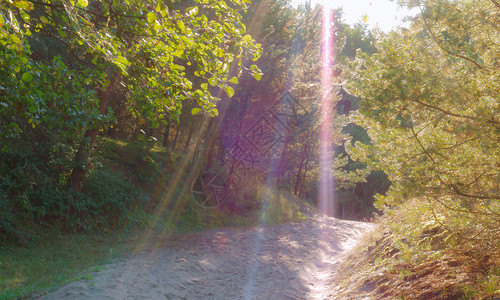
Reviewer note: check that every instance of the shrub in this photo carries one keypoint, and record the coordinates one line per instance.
(108, 196)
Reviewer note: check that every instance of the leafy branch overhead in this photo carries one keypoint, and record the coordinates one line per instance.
(156, 45)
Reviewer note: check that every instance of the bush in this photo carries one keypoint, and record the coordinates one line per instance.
(31, 198)
(108, 196)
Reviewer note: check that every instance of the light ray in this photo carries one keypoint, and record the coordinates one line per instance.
(327, 184)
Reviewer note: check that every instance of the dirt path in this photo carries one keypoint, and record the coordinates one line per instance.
(290, 261)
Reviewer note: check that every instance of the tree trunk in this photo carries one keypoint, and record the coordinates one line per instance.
(302, 180)
(81, 160)
(82, 155)
(280, 172)
(166, 134)
(188, 141)
(299, 172)
(176, 136)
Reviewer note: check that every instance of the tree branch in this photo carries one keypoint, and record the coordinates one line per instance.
(445, 111)
(421, 145)
(497, 4)
(442, 47)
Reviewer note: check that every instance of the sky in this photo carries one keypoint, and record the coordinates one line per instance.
(384, 14)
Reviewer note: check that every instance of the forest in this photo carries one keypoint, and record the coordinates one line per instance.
(126, 118)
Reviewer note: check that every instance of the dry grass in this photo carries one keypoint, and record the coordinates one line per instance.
(424, 262)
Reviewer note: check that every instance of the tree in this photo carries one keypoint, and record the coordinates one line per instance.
(431, 103)
(155, 56)
(164, 53)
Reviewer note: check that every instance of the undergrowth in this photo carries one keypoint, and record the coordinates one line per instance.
(415, 254)
(127, 203)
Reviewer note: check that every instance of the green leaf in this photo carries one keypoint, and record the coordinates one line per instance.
(195, 110)
(1, 20)
(213, 81)
(234, 80)
(122, 60)
(181, 25)
(229, 91)
(227, 27)
(247, 38)
(25, 16)
(61, 32)
(178, 53)
(13, 38)
(213, 112)
(198, 94)
(151, 17)
(83, 3)
(27, 77)
(23, 5)
(256, 72)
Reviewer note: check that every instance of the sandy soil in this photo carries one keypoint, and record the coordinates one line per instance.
(289, 261)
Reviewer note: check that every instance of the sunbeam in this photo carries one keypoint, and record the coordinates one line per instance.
(327, 184)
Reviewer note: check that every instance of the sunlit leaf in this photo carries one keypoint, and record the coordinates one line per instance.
(122, 60)
(62, 33)
(181, 25)
(23, 5)
(214, 112)
(27, 77)
(229, 91)
(83, 3)
(247, 38)
(13, 38)
(195, 110)
(151, 17)
(257, 76)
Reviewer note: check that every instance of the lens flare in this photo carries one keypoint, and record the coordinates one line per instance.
(327, 184)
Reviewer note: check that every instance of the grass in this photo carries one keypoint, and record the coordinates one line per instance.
(408, 256)
(279, 206)
(54, 260)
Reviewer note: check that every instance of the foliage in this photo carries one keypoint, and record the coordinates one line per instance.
(356, 37)
(41, 121)
(54, 101)
(431, 103)
(160, 48)
(410, 255)
(304, 82)
(278, 206)
(109, 197)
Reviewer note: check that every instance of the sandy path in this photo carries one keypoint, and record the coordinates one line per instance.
(290, 261)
